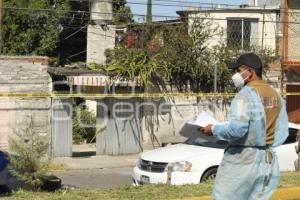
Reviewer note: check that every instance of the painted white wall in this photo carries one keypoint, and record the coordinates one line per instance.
(220, 19)
(265, 2)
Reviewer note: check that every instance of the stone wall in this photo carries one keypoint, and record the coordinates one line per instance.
(24, 75)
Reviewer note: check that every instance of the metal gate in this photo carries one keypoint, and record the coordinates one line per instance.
(62, 127)
(121, 126)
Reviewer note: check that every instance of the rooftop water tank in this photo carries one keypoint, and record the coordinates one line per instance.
(101, 11)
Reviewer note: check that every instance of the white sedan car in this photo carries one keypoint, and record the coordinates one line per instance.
(196, 161)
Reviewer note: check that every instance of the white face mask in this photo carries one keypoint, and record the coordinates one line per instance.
(238, 80)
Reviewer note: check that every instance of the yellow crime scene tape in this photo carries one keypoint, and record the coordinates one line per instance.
(122, 95)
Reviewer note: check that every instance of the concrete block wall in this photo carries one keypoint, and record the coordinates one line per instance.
(24, 75)
(164, 126)
(99, 38)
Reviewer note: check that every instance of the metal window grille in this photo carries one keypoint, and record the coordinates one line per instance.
(241, 32)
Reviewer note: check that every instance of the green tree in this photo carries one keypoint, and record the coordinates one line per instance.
(73, 37)
(189, 59)
(121, 12)
(32, 32)
(30, 159)
(131, 64)
(83, 125)
(169, 54)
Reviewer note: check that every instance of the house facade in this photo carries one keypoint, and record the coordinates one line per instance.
(289, 26)
(270, 24)
(291, 13)
(241, 28)
(244, 27)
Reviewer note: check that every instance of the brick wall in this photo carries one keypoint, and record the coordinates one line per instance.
(294, 39)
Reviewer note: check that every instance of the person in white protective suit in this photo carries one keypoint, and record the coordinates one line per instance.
(257, 123)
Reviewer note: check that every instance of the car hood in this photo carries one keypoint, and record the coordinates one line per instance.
(179, 152)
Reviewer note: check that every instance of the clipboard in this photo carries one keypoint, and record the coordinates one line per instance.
(191, 128)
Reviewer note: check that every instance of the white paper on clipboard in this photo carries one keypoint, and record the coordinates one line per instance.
(203, 119)
(191, 127)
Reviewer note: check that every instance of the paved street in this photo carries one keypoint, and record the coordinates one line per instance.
(97, 178)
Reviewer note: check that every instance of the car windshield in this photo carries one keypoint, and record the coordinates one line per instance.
(207, 143)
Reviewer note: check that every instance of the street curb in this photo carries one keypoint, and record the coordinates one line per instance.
(280, 194)
(95, 162)
(57, 167)
(287, 193)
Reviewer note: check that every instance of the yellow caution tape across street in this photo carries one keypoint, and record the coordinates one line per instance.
(122, 95)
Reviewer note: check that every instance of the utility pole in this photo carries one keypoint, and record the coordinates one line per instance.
(263, 28)
(215, 78)
(149, 11)
(215, 88)
(1, 25)
(285, 46)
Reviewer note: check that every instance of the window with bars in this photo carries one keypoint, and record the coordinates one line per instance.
(242, 32)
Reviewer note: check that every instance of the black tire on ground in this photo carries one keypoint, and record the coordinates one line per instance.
(5, 190)
(210, 174)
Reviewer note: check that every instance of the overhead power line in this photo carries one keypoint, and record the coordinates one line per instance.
(201, 8)
(74, 33)
(177, 1)
(140, 15)
(173, 1)
(201, 4)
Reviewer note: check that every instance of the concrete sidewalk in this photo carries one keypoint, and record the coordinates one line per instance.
(84, 157)
(96, 162)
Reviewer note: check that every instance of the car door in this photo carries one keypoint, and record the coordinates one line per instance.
(286, 153)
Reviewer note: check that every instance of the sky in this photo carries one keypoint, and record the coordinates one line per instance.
(139, 7)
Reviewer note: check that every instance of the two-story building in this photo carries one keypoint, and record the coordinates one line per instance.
(243, 28)
(289, 25)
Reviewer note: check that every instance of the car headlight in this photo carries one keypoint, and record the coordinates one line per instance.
(183, 166)
(138, 164)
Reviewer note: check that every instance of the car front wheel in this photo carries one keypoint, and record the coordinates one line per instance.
(209, 175)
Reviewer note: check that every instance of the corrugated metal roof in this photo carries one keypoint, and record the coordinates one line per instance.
(74, 70)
